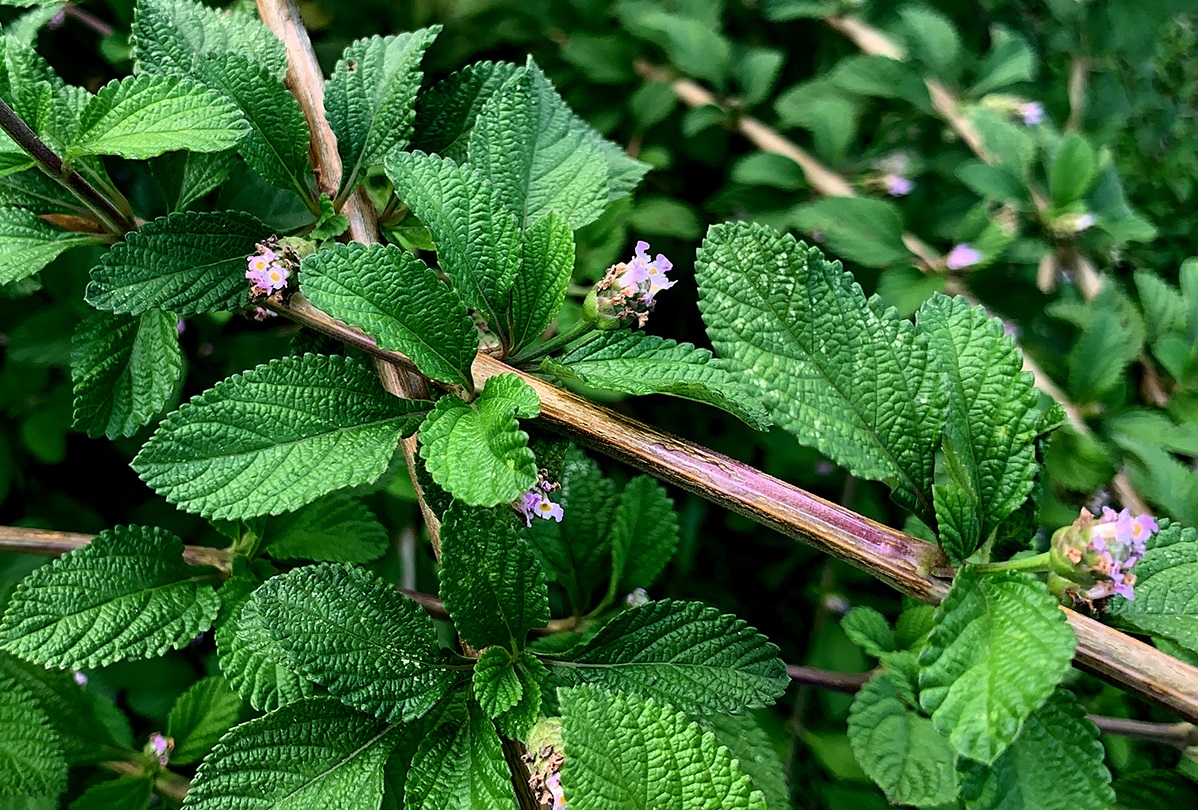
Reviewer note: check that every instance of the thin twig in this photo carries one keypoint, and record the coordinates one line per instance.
(44, 542)
(88, 20)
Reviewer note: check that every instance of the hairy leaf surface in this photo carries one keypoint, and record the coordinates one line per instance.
(497, 687)
(200, 716)
(1166, 602)
(644, 534)
(169, 36)
(547, 263)
(335, 528)
(459, 765)
(31, 759)
(28, 243)
(446, 112)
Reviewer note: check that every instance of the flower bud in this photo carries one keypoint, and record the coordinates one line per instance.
(1094, 557)
(625, 295)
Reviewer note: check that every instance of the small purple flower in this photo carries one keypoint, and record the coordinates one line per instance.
(1032, 113)
(554, 785)
(962, 256)
(267, 270)
(536, 502)
(81, 679)
(897, 185)
(637, 598)
(161, 747)
(627, 292)
(1096, 556)
(181, 326)
(57, 20)
(1084, 222)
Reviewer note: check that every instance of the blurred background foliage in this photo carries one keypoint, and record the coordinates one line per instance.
(1065, 160)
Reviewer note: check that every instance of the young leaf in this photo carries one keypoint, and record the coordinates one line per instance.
(126, 595)
(31, 759)
(399, 301)
(900, 750)
(124, 370)
(869, 630)
(122, 793)
(371, 96)
(478, 243)
(277, 437)
(644, 534)
(187, 262)
(170, 36)
(460, 765)
(1000, 647)
(199, 717)
(1055, 764)
(371, 647)
(446, 112)
(28, 243)
(1166, 586)
(143, 116)
(527, 143)
(547, 263)
(313, 753)
(637, 363)
(683, 653)
(615, 744)
(1072, 171)
(335, 528)
(516, 721)
(753, 749)
(868, 232)
(185, 177)
(491, 583)
(276, 145)
(837, 371)
(496, 685)
(476, 450)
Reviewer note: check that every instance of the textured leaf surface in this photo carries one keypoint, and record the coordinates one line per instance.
(460, 765)
(637, 363)
(28, 243)
(124, 369)
(644, 534)
(123, 793)
(683, 653)
(399, 301)
(143, 116)
(478, 243)
(626, 752)
(187, 262)
(31, 759)
(753, 749)
(900, 750)
(1000, 647)
(519, 719)
(529, 145)
(869, 630)
(491, 583)
(547, 263)
(496, 684)
(1166, 602)
(991, 426)
(371, 97)
(837, 372)
(276, 145)
(277, 437)
(335, 528)
(186, 177)
(169, 36)
(346, 629)
(126, 595)
(476, 450)
(314, 753)
(200, 716)
(1056, 764)
(446, 112)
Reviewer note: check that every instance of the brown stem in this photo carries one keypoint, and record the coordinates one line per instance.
(45, 542)
(513, 752)
(50, 163)
(826, 679)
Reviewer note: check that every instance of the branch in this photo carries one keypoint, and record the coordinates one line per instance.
(48, 543)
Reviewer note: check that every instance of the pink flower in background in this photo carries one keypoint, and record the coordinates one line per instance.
(1032, 113)
(160, 747)
(962, 256)
(897, 185)
(81, 679)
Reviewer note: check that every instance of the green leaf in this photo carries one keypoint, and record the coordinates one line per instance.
(399, 301)
(496, 684)
(991, 426)
(491, 583)
(170, 36)
(837, 371)
(1158, 789)
(276, 145)
(371, 96)
(868, 232)
(1166, 588)
(476, 450)
(1164, 301)
(753, 749)
(143, 116)
(637, 363)
(958, 522)
(446, 112)
(694, 46)
(126, 595)
(249, 657)
(346, 629)
(28, 243)
(478, 242)
(683, 653)
(644, 534)
(1000, 647)
(313, 753)
(124, 370)
(199, 717)
(122, 793)
(335, 528)
(277, 437)
(878, 76)
(31, 758)
(525, 142)
(869, 630)
(933, 39)
(1011, 60)
(515, 722)
(460, 765)
(900, 750)
(624, 751)
(1072, 169)
(547, 264)
(187, 262)
(186, 177)
(1056, 764)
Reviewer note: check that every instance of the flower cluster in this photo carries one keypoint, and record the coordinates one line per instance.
(1032, 113)
(897, 185)
(270, 268)
(537, 503)
(160, 747)
(627, 293)
(1095, 556)
(962, 256)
